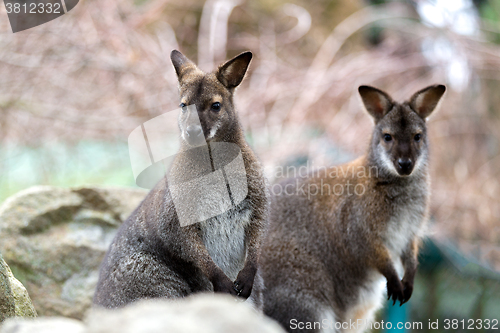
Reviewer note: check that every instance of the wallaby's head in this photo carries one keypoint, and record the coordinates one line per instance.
(399, 143)
(212, 93)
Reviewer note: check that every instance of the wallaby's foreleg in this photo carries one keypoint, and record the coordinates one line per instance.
(381, 259)
(409, 259)
(244, 280)
(220, 281)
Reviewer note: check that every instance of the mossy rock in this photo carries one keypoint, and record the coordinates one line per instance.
(14, 299)
(54, 240)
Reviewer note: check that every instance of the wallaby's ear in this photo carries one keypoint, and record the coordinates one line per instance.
(232, 72)
(376, 102)
(425, 101)
(181, 63)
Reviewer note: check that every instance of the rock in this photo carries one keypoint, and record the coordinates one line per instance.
(14, 299)
(54, 240)
(206, 313)
(42, 325)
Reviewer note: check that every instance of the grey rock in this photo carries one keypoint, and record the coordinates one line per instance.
(206, 313)
(42, 325)
(14, 299)
(54, 240)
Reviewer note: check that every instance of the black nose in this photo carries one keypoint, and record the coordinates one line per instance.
(405, 166)
(193, 131)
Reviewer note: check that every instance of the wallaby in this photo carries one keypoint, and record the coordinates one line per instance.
(337, 237)
(152, 254)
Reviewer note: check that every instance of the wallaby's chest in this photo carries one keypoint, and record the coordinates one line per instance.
(224, 239)
(404, 224)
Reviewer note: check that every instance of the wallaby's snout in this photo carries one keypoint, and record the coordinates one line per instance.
(190, 125)
(405, 166)
(194, 134)
(403, 150)
(399, 142)
(194, 131)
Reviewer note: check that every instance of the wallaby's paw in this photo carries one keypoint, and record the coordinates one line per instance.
(395, 290)
(407, 290)
(222, 284)
(244, 281)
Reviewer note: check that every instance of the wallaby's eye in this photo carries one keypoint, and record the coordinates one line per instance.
(387, 137)
(417, 137)
(216, 107)
(183, 107)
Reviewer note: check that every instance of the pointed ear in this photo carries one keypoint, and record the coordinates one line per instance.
(376, 102)
(425, 101)
(231, 73)
(181, 63)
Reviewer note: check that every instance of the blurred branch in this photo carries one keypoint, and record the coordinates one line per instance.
(212, 36)
(316, 71)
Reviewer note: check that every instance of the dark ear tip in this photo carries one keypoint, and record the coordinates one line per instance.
(441, 87)
(174, 53)
(365, 88)
(247, 54)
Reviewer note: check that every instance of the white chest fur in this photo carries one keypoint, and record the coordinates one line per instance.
(224, 238)
(406, 224)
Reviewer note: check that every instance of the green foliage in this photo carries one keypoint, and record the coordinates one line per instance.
(489, 11)
(65, 165)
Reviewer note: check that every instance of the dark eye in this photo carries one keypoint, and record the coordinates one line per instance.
(387, 137)
(183, 107)
(417, 137)
(216, 107)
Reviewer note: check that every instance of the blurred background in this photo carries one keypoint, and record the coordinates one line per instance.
(73, 89)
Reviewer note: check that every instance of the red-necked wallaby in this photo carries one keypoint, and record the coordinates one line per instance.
(153, 255)
(338, 237)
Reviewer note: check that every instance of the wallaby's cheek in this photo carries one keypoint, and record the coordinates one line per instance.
(386, 159)
(418, 156)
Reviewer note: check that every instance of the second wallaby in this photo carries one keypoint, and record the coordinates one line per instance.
(153, 254)
(340, 236)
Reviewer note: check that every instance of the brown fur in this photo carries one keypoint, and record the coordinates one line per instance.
(152, 255)
(327, 253)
